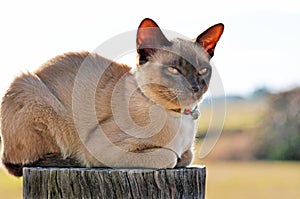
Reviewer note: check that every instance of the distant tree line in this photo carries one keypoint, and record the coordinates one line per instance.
(279, 137)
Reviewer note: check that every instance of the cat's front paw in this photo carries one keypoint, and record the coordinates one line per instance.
(185, 159)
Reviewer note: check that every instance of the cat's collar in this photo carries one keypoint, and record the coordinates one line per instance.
(195, 113)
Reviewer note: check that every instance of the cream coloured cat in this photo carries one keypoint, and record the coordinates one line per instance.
(81, 109)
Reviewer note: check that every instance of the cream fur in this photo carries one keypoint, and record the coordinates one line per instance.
(37, 117)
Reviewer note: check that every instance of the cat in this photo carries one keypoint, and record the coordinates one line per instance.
(80, 109)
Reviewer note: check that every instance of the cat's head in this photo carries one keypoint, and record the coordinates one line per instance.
(175, 73)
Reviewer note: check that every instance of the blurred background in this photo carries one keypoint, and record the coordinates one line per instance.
(258, 152)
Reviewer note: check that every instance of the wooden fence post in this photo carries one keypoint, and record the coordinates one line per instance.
(113, 183)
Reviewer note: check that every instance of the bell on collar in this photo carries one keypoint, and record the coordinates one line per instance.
(195, 114)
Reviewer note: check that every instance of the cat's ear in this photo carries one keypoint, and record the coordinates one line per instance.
(209, 38)
(149, 39)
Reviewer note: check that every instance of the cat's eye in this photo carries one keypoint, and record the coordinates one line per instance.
(173, 70)
(203, 71)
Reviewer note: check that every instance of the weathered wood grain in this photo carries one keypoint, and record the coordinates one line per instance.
(113, 183)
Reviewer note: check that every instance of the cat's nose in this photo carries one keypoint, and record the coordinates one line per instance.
(195, 88)
(195, 85)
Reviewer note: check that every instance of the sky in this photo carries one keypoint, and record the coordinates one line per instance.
(259, 48)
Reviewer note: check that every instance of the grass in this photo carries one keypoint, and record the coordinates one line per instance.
(253, 180)
(240, 115)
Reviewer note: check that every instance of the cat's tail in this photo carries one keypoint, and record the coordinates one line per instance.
(48, 160)
(14, 169)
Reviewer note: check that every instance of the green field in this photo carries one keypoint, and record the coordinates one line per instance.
(240, 115)
(232, 180)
